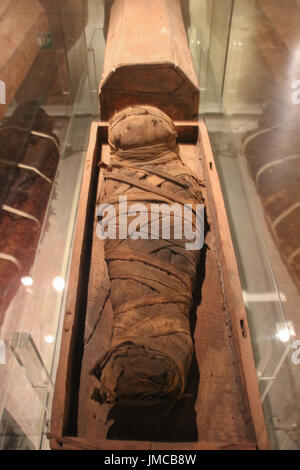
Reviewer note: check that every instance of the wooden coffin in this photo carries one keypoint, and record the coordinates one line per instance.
(222, 407)
(147, 60)
(21, 24)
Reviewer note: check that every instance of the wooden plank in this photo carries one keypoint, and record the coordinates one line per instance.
(73, 443)
(203, 445)
(62, 394)
(147, 60)
(234, 299)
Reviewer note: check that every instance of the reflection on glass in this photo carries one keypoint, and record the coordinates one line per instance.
(27, 281)
(251, 109)
(48, 98)
(49, 339)
(285, 331)
(58, 283)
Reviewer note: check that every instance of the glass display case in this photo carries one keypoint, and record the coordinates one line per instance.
(61, 77)
(54, 59)
(247, 89)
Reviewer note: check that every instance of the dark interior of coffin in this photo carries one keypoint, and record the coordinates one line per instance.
(215, 406)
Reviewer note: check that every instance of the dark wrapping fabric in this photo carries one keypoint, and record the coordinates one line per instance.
(152, 280)
(28, 164)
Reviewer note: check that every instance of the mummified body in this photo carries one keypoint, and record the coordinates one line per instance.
(152, 280)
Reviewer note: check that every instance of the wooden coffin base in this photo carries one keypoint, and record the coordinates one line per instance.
(221, 408)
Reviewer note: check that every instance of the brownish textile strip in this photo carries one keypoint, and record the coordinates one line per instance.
(147, 187)
(151, 301)
(143, 258)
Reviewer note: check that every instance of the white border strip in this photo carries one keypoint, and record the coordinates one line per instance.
(26, 167)
(10, 258)
(293, 255)
(12, 210)
(285, 213)
(35, 170)
(275, 162)
(252, 136)
(46, 136)
(39, 134)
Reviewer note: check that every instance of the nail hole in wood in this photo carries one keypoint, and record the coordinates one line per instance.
(242, 323)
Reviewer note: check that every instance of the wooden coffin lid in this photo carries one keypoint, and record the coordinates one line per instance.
(148, 61)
